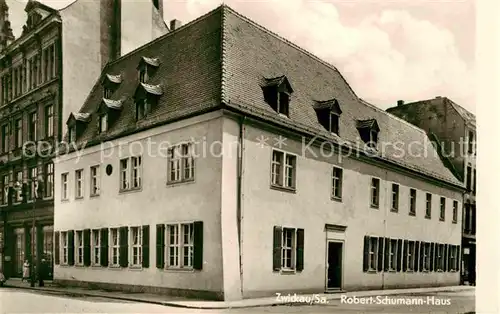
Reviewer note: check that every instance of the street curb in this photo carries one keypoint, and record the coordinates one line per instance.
(182, 304)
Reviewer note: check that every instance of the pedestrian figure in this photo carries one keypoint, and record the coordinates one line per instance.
(26, 270)
(42, 272)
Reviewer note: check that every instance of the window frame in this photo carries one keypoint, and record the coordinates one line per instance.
(393, 255)
(135, 246)
(410, 258)
(283, 167)
(95, 180)
(130, 173)
(375, 188)
(64, 247)
(33, 126)
(455, 212)
(18, 132)
(337, 178)
(112, 247)
(428, 205)
(181, 157)
(79, 248)
(442, 208)
(179, 246)
(48, 178)
(79, 190)
(413, 202)
(49, 121)
(395, 197)
(95, 247)
(64, 186)
(373, 253)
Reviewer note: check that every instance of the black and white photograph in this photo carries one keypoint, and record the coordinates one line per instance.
(260, 156)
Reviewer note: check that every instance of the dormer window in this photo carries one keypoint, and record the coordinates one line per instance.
(277, 93)
(328, 113)
(76, 123)
(72, 134)
(107, 92)
(368, 131)
(147, 67)
(103, 123)
(142, 109)
(143, 75)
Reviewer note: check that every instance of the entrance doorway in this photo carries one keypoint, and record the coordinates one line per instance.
(334, 265)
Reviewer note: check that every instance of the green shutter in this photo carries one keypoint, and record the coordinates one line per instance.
(57, 251)
(416, 257)
(123, 246)
(386, 253)
(160, 246)
(300, 249)
(86, 247)
(432, 257)
(198, 245)
(277, 231)
(145, 246)
(104, 252)
(71, 247)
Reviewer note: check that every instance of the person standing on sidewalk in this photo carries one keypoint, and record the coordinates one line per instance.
(26, 270)
(42, 272)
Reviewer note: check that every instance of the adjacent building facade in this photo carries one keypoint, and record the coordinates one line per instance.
(44, 74)
(241, 166)
(454, 128)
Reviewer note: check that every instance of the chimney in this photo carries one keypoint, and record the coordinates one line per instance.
(401, 102)
(175, 24)
(6, 36)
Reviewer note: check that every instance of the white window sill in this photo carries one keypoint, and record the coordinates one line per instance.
(283, 188)
(96, 266)
(130, 190)
(63, 200)
(337, 199)
(371, 271)
(79, 198)
(115, 267)
(180, 182)
(94, 195)
(287, 271)
(135, 267)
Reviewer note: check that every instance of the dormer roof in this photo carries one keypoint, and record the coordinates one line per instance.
(113, 104)
(156, 90)
(117, 78)
(78, 116)
(280, 82)
(331, 104)
(154, 62)
(368, 124)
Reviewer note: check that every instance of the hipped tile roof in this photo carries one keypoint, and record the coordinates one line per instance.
(221, 60)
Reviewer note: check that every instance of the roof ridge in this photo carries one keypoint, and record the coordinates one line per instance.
(393, 116)
(289, 42)
(154, 41)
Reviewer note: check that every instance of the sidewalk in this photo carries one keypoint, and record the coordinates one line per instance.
(195, 304)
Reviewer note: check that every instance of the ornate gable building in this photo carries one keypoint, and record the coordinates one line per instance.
(45, 74)
(222, 160)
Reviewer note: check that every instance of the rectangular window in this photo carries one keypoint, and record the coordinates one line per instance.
(411, 255)
(337, 177)
(375, 186)
(19, 180)
(428, 205)
(33, 126)
(373, 253)
(5, 189)
(18, 133)
(395, 197)
(124, 180)
(103, 123)
(64, 186)
(114, 247)
(49, 179)
(180, 245)
(283, 168)
(5, 138)
(49, 121)
(440, 256)
(393, 249)
(442, 211)
(455, 212)
(469, 178)
(33, 172)
(46, 75)
(107, 93)
(288, 249)
(136, 247)
(131, 173)
(96, 247)
(64, 248)
(427, 256)
(474, 182)
(181, 163)
(52, 60)
(79, 248)
(94, 180)
(79, 183)
(471, 142)
(143, 75)
(413, 202)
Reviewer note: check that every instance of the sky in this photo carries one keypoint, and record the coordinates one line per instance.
(387, 50)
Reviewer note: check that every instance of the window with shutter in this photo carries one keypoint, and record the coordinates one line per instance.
(86, 247)
(123, 251)
(160, 246)
(145, 246)
(57, 251)
(104, 252)
(71, 247)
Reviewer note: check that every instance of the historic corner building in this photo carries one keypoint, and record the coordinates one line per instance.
(454, 128)
(51, 67)
(211, 168)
